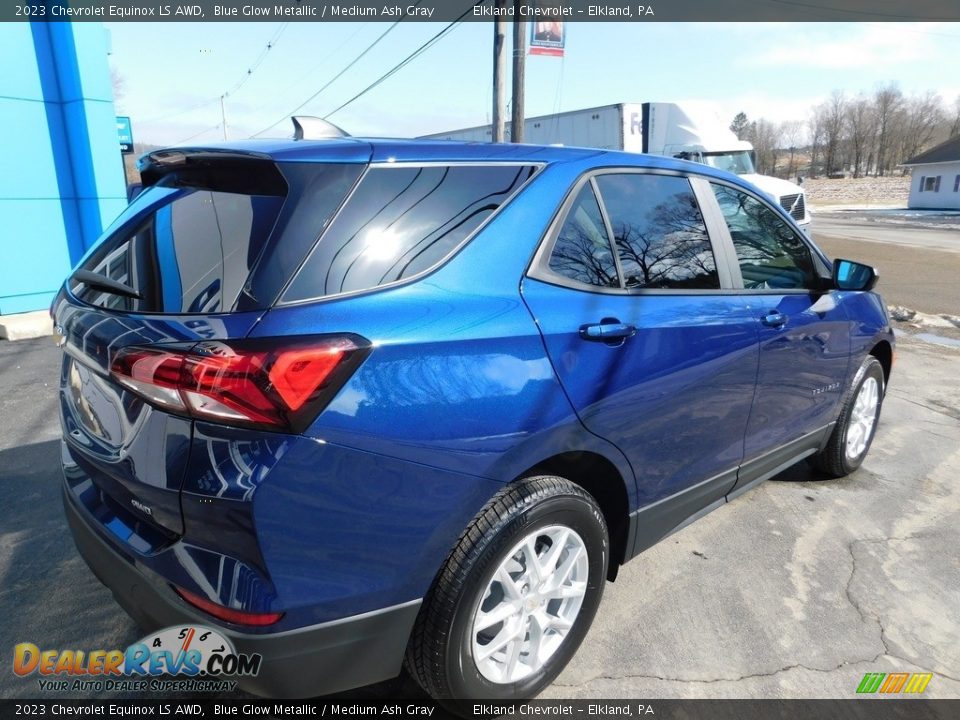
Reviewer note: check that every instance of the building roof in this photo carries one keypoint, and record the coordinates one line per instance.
(948, 151)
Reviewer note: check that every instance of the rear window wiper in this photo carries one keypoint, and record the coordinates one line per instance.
(102, 282)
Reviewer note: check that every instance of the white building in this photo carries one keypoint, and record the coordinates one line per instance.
(936, 177)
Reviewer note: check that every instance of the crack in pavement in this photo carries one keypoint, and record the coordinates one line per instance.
(865, 617)
(945, 412)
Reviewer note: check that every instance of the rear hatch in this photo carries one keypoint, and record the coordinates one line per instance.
(195, 260)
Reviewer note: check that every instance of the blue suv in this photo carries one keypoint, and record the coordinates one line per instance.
(365, 403)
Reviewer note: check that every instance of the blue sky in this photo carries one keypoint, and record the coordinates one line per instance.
(768, 70)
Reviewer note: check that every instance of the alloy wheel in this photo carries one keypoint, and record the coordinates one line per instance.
(530, 604)
(862, 418)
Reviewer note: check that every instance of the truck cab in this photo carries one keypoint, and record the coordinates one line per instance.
(696, 131)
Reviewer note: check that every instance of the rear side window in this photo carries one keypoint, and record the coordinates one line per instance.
(770, 253)
(582, 250)
(659, 233)
(191, 254)
(401, 221)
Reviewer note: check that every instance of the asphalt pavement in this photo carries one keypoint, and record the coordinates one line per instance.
(795, 589)
(801, 586)
(919, 267)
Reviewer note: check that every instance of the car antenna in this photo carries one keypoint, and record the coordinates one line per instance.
(308, 127)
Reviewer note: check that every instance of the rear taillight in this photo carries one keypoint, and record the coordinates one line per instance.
(238, 617)
(275, 384)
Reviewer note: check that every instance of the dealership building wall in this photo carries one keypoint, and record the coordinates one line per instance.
(63, 179)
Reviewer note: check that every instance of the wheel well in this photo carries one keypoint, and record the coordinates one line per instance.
(883, 352)
(599, 477)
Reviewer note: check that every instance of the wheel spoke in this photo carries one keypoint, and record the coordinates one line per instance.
(508, 584)
(502, 638)
(563, 572)
(501, 612)
(513, 655)
(855, 432)
(552, 557)
(538, 627)
(561, 624)
(571, 590)
(533, 561)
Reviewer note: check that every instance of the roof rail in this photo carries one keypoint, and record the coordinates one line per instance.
(307, 127)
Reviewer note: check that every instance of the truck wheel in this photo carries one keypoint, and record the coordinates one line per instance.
(854, 431)
(516, 595)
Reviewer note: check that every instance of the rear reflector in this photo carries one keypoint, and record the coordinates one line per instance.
(276, 384)
(230, 615)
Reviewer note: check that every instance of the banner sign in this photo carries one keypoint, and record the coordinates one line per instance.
(547, 37)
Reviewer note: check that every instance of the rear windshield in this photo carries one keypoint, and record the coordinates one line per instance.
(401, 221)
(192, 253)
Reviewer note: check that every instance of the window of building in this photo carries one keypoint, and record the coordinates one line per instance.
(930, 184)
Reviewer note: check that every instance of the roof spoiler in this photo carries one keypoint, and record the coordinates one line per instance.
(215, 169)
(307, 127)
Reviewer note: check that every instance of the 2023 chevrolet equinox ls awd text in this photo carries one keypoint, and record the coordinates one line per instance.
(356, 403)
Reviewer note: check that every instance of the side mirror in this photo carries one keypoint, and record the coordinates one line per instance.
(850, 275)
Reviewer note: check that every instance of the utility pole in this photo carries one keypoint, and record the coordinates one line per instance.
(499, 71)
(223, 118)
(519, 61)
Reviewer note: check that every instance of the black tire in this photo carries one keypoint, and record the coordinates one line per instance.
(833, 460)
(440, 655)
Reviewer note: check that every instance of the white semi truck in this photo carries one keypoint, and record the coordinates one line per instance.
(689, 130)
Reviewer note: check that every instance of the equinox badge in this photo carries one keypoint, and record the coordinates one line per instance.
(141, 507)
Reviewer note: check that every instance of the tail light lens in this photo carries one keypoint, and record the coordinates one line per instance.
(271, 384)
(221, 612)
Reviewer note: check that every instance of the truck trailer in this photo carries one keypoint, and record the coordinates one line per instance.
(689, 130)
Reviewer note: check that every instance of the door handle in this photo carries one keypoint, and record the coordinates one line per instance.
(607, 331)
(774, 318)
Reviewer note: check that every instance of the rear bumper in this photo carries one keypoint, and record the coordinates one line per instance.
(306, 662)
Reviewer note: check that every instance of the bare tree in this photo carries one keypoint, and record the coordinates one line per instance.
(887, 105)
(955, 125)
(765, 138)
(834, 122)
(815, 126)
(861, 127)
(923, 116)
(118, 84)
(791, 132)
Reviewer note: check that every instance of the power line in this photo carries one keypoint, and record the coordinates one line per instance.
(403, 63)
(196, 135)
(199, 105)
(326, 58)
(271, 43)
(260, 58)
(335, 77)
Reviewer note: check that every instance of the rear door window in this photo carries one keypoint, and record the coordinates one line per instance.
(659, 233)
(401, 221)
(191, 254)
(582, 251)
